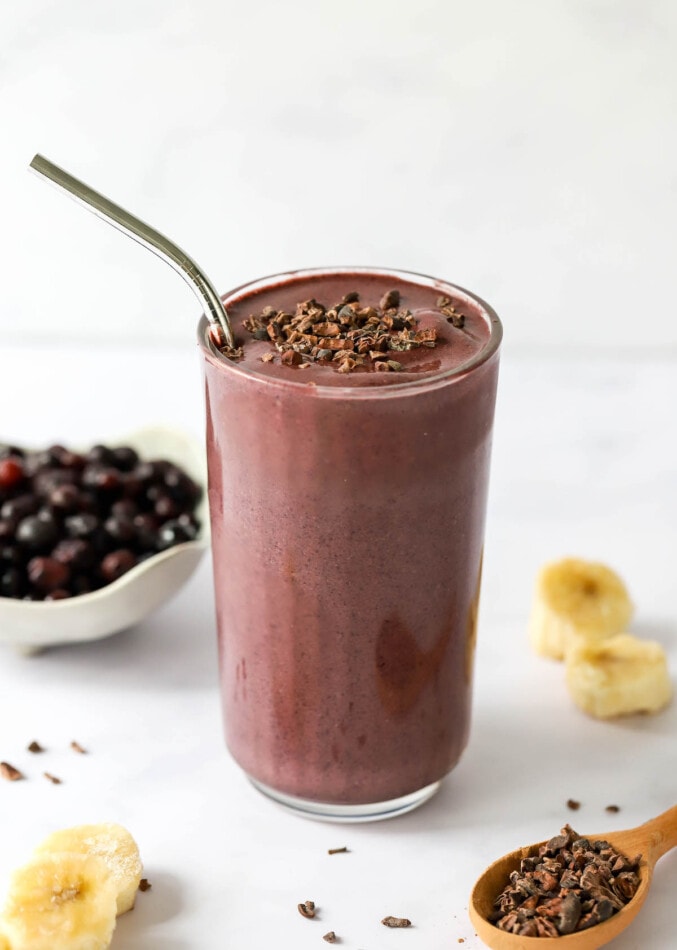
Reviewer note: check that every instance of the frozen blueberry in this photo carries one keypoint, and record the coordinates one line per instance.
(37, 532)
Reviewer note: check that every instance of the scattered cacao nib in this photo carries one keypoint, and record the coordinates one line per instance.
(572, 804)
(342, 850)
(348, 334)
(144, 884)
(453, 316)
(35, 747)
(569, 884)
(347, 365)
(306, 909)
(291, 358)
(330, 937)
(396, 922)
(390, 300)
(76, 747)
(8, 772)
(456, 319)
(52, 778)
(232, 352)
(612, 809)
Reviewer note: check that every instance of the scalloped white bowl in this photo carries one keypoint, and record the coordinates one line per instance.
(31, 626)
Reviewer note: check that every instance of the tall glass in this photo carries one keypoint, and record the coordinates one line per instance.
(347, 533)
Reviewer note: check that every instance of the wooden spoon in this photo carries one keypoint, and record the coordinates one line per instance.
(652, 840)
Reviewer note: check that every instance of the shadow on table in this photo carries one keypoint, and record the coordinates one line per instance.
(175, 646)
(155, 906)
(141, 943)
(530, 756)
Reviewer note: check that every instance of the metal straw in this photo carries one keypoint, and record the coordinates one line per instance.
(148, 237)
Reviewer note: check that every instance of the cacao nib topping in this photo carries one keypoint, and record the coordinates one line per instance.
(347, 335)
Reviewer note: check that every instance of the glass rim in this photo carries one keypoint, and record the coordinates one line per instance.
(359, 392)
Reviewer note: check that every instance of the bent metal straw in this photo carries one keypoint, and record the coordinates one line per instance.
(147, 236)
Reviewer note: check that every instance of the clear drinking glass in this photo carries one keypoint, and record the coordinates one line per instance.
(347, 533)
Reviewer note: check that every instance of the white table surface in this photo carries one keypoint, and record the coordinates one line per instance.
(585, 461)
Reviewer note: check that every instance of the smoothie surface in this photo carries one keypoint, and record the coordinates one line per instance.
(428, 305)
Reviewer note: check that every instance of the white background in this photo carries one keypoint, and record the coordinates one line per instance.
(526, 150)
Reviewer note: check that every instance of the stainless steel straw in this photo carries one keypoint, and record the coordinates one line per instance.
(148, 237)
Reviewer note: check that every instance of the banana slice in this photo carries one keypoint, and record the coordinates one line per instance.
(617, 676)
(61, 902)
(114, 845)
(575, 598)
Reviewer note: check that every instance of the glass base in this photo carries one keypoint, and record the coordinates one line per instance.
(326, 811)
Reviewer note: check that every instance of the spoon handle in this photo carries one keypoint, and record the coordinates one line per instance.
(663, 833)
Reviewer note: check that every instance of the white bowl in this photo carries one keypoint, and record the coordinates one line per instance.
(32, 625)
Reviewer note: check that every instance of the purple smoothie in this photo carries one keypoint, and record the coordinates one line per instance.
(347, 517)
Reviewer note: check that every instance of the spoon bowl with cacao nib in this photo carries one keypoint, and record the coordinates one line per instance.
(93, 540)
(573, 892)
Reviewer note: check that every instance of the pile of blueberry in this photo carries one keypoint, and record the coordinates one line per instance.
(72, 522)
